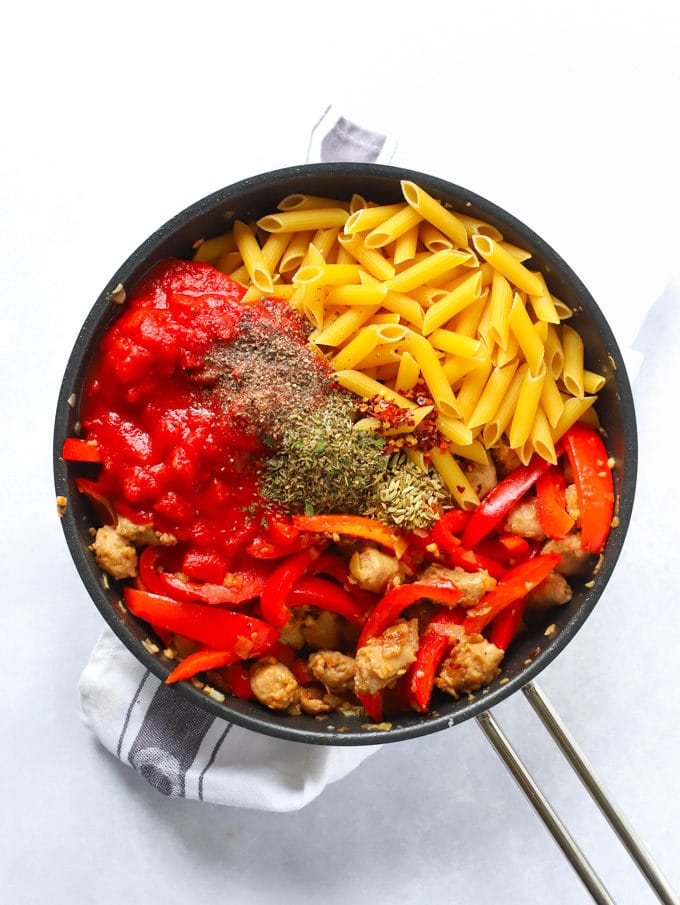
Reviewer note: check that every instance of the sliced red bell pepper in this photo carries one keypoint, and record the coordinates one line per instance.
(594, 484)
(262, 548)
(238, 681)
(282, 531)
(516, 584)
(327, 596)
(551, 504)
(200, 661)
(243, 585)
(506, 624)
(353, 526)
(77, 450)
(101, 502)
(397, 599)
(331, 565)
(280, 583)
(372, 704)
(434, 642)
(499, 501)
(216, 628)
(301, 671)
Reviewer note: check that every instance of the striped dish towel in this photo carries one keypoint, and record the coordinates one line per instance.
(177, 748)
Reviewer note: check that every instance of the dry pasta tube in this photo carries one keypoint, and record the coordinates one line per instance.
(540, 439)
(525, 410)
(407, 308)
(512, 269)
(209, 249)
(492, 395)
(500, 303)
(359, 294)
(391, 229)
(296, 251)
(433, 375)
(365, 342)
(408, 373)
(369, 218)
(479, 227)
(362, 385)
(430, 267)
(543, 305)
(593, 383)
(303, 220)
(253, 259)
(405, 247)
(369, 258)
(454, 477)
(455, 343)
(303, 202)
(551, 399)
(344, 326)
(572, 366)
(554, 354)
(323, 274)
(494, 429)
(455, 301)
(455, 431)
(523, 330)
(471, 388)
(434, 212)
(574, 410)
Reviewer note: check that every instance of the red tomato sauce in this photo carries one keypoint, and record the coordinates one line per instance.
(172, 454)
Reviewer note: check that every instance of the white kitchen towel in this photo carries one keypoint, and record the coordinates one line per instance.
(183, 751)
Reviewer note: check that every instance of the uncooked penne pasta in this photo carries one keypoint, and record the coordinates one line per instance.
(369, 258)
(209, 249)
(253, 259)
(512, 269)
(303, 220)
(523, 330)
(345, 325)
(364, 342)
(392, 228)
(408, 373)
(368, 218)
(525, 410)
(435, 213)
(492, 395)
(302, 202)
(405, 247)
(572, 366)
(366, 387)
(455, 479)
(433, 375)
(437, 264)
(441, 311)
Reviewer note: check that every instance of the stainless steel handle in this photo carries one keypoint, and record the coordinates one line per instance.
(567, 745)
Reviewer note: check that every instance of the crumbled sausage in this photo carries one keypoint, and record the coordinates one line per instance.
(473, 585)
(575, 560)
(333, 669)
(554, 590)
(506, 459)
(383, 659)
(373, 570)
(114, 554)
(142, 535)
(273, 684)
(472, 664)
(291, 633)
(482, 477)
(314, 699)
(322, 630)
(523, 520)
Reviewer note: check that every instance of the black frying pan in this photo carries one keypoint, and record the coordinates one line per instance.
(253, 198)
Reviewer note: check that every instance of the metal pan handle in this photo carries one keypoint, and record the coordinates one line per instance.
(567, 745)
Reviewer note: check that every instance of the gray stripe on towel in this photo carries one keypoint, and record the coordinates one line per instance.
(168, 740)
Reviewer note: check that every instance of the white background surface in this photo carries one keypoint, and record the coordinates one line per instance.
(115, 118)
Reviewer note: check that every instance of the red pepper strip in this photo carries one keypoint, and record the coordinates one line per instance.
(434, 642)
(594, 484)
(76, 450)
(280, 583)
(550, 504)
(301, 671)
(216, 628)
(243, 585)
(164, 635)
(516, 584)
(447, 543)
(372, 704)
(282, 532)
(397, 599)
(203, 659)
(327, 596)
(238, 680)
(353, 526)
(506, 548)
(261, 548)
(507, 622)
(331, 565)
(499, 501)
(102, 504)
(284, 653)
